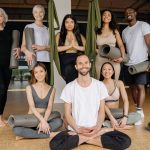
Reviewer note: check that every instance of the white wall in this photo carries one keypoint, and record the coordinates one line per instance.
(63, 7)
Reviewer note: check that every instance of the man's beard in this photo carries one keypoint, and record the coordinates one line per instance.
(84, 73)
(129, 19)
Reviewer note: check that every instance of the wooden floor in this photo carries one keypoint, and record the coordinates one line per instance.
(17, 104)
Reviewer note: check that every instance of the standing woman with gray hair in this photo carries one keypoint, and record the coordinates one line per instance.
(5, 53)
(41, 35)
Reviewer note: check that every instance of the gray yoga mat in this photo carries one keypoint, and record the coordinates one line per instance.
(111, 52)
(30, 40)
(15, 44)
(29, 120)
(138, 68)
(117, 113)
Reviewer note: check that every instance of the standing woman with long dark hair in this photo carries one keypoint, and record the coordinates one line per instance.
(70, 43)
(109, 34)
(5, 52)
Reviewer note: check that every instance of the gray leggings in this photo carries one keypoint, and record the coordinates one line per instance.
(132, 117)
(32, 133)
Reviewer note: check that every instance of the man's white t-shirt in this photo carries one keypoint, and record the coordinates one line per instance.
(136, 47)
(85, 101)
(41, 35)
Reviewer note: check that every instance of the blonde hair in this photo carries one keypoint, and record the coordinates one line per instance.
(38, 7)
(3, 13)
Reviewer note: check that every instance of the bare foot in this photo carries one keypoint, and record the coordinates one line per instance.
(52, 134)
(5, 121)
(105, 130)
(72, 133)
(2, 123)
(126, 127)
(18, 138)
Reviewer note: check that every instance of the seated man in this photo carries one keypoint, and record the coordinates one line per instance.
(85, 113)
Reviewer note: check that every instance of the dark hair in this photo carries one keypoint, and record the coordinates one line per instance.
(81, 54)
(63, 31)
(112, 24)
(131, 8)
(33, 79)
(101, 76)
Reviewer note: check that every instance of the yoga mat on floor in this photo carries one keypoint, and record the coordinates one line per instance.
(117, 113)
(29, 120)
(138, 68)
(30, 40)
(111, 52)
(15, 44)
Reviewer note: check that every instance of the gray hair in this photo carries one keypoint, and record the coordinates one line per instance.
(3, 13)
(38, 7)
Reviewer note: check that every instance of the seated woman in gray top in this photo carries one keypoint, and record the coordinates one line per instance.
(40, 98)
(119, 118)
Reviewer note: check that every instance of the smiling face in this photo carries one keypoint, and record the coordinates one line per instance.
(39, 73)
(38, 13)
(107, 71)
(130, 14)
(83, 65)
(106, 16)
(69, 24)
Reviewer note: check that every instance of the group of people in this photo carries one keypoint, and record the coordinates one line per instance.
(82, 92)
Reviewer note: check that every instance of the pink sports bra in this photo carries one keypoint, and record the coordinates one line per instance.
(114, 96)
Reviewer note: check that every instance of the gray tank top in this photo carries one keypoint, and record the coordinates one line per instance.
(41, 103)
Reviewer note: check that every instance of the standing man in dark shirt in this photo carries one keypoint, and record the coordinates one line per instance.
(5, 71)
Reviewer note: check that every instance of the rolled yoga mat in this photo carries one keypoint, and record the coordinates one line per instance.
(111, 52)
(15, 44)
(29, 120)
(30, 40)
(138, 68)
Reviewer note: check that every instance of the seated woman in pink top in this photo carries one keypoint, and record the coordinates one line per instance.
(115, 116)
(108, 34)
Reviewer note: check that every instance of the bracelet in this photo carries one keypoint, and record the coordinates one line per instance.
(126, 116)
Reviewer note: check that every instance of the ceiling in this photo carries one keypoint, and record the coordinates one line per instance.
(115, 5)
(21, 9)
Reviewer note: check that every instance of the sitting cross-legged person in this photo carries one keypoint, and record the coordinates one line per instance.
(116, 117)
(85, 113)
(40, 98)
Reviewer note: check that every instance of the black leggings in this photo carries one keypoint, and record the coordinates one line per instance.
(67, 64)
(114, 140)
(5, 77)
